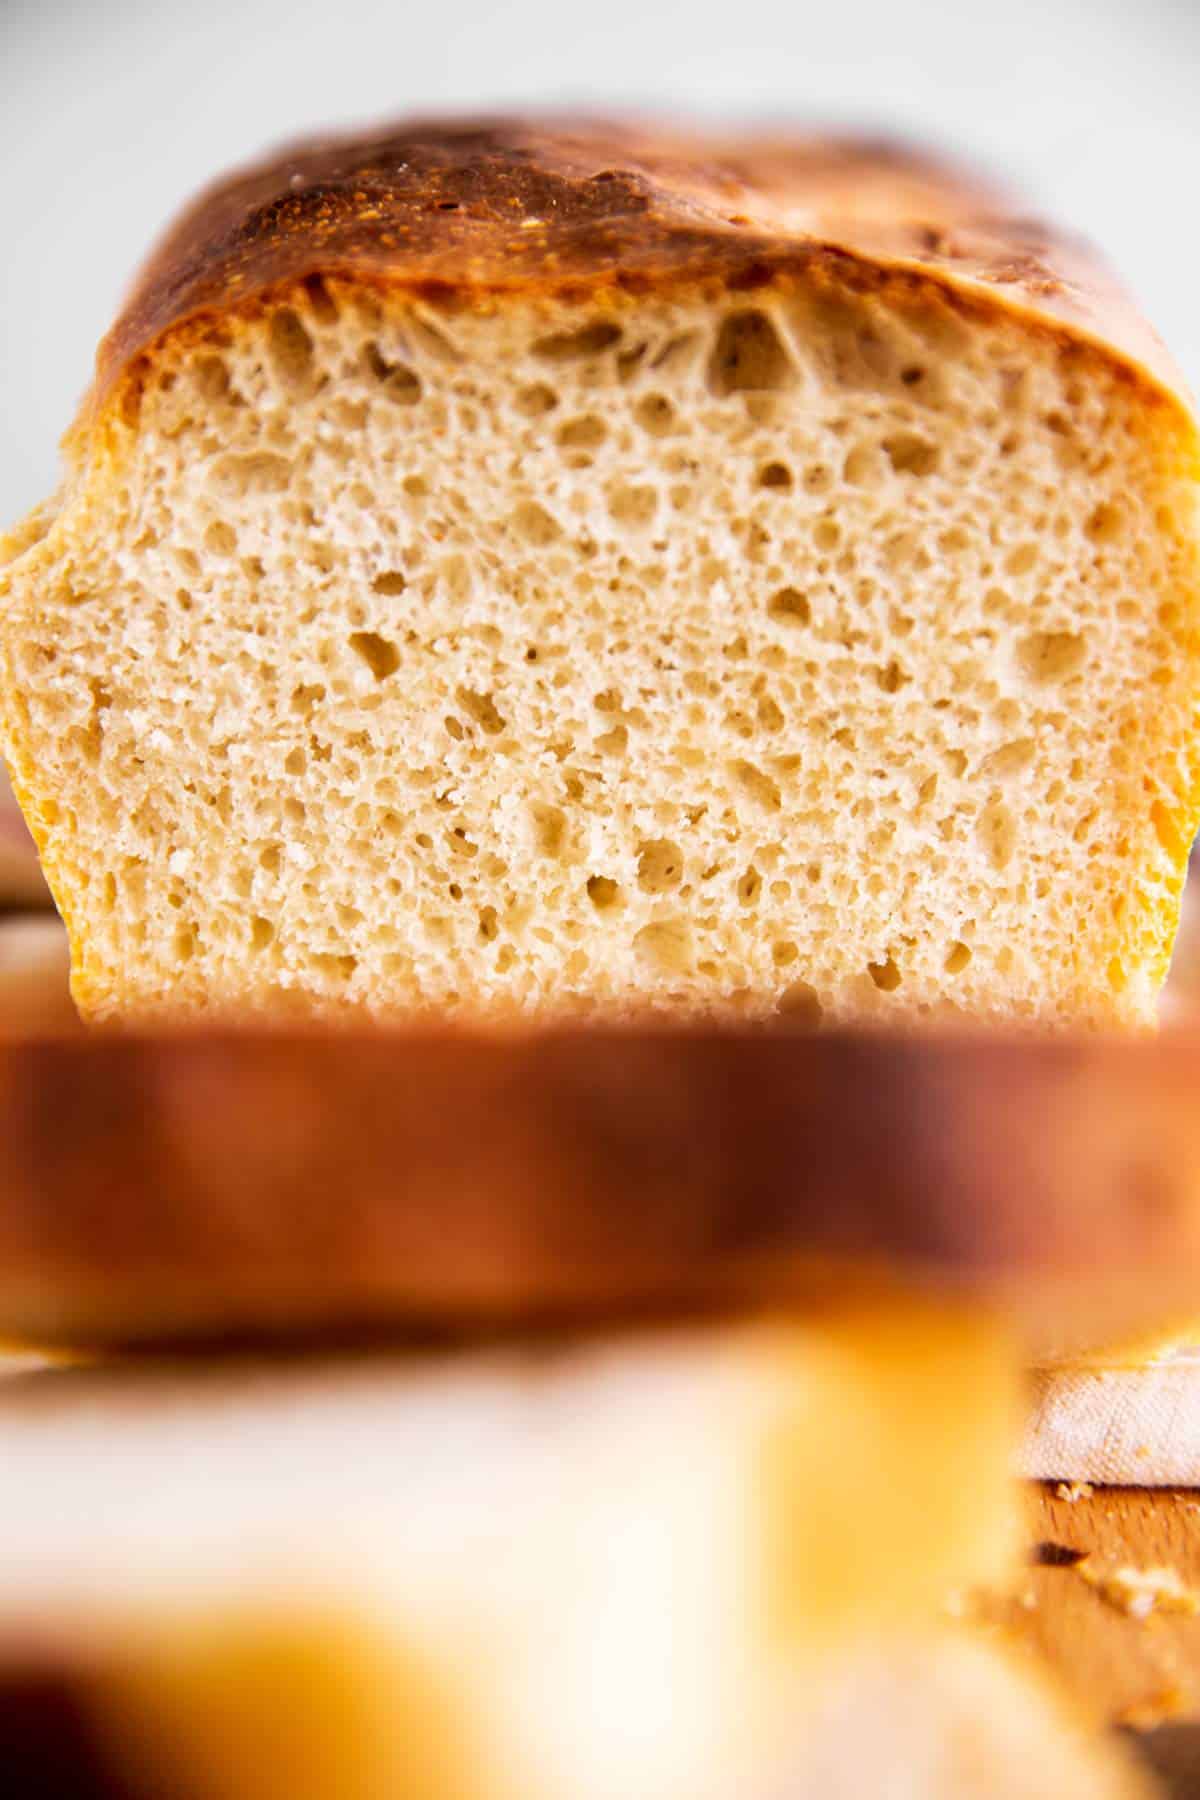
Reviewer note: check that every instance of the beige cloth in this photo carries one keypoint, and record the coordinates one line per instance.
(1130, 1424)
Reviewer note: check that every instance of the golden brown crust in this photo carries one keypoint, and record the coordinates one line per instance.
(473, 208)
(203, 1184)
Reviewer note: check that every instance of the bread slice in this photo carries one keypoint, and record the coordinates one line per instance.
(584, 1570)
(698, 1565)
(539, 567)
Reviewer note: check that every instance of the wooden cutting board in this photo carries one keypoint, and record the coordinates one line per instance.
(1110, 1598)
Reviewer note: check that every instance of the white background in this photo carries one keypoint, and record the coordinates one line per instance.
(111, 111)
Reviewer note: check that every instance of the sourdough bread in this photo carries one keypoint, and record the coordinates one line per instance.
(532, 568)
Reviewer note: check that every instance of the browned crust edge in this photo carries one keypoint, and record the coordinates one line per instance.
(473, 210)
(202, 1184)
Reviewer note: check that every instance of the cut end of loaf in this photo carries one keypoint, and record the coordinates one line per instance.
(806, 652)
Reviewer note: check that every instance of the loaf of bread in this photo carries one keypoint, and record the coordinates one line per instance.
(508, 567)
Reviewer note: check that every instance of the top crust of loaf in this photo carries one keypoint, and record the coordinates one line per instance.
(478, 208)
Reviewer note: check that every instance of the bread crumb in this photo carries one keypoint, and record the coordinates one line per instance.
(1140, 1592)
(1074, 1490)
(1156, 1709)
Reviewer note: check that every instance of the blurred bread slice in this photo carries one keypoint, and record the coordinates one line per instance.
(546, 567)
(262, 1706)
(605, 1569)
(700, 1565)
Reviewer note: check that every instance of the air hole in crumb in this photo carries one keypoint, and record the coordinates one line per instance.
(489, 928)
(629, 361)
(1009, 759)
(295, 762)
(891, 677)
(398, 381)
(758, 785)
(660, 865)
(211, 377)
(262, 933)
(185, 944)
(534, 525)
(603, 892)
(256, 472)
(885, 975)
(306, 698)
(783, 953)
(655, 414)
(676, 350)
(536, 400)
(666, 943)
(550, 829)
(633, 506)
(389, 581)
(614, 742)
(220, 538)
(911, 455)
(573, 346)
(998, 832)
(1105, 524)
(324, 307)
(291, 348)
(1047, 656)
(748, 357)
(380, 655)
(957, 958)
(790, 606)
(775, 475)
(862, 467)
(336, 967)
(749, 886)
(799, 1002)
(1022, 559)
(587, 432)
(482, 709)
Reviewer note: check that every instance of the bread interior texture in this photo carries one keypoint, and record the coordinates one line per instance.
(801, 650)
